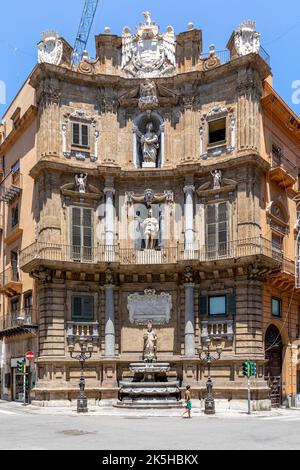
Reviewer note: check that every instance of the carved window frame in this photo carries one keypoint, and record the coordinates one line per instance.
(80, 152)
(217, 113)
(279, 225)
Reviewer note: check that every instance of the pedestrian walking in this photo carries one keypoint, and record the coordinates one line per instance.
(188, 402)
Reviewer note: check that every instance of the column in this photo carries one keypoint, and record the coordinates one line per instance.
(109, 192)
(189, 216)
(110, 336)
(189, 338)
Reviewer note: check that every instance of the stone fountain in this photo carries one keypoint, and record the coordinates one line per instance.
(150, 386)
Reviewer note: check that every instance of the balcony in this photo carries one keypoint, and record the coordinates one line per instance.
(224, 56)
(18, 323)
(69, 257)
(217, 330)
(11, 281)
(11, 187)
(81, 331)
(283, 172)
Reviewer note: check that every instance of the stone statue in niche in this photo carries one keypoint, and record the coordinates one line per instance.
(217, 178)
(81, 182)
(150, 228)
(150, 146)
(150, 344)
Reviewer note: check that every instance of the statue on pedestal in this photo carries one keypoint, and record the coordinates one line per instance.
(150, 344)
(150, 228)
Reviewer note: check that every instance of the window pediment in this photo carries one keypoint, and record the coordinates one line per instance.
(70, 190)
(278, 217)
(209, 189)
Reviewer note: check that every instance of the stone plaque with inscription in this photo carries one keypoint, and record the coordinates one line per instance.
(149, 306)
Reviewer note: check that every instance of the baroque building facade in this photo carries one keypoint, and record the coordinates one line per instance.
(154, 183)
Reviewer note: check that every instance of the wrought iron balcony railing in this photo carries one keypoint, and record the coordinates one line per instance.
(279, 160)
(22, 318)
(225, 56)
(55, 253)
(11, 280)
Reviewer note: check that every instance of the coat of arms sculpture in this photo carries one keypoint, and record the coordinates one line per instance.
(149, 53)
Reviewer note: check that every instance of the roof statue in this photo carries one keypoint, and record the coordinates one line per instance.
(148, 53)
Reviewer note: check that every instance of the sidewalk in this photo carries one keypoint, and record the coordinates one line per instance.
(134, 414)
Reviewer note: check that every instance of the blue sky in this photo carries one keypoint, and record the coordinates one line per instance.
(22, 22)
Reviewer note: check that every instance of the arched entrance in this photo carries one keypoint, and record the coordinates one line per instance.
(273, 369)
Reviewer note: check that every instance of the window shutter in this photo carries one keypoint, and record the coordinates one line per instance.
(203, 305)
(84, 135)
(75, 133)
(231, 304)
(88, 307)
(76, 308)
(76, 226)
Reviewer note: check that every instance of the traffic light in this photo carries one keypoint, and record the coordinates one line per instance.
(253, 369)
(246, 368)
(20, 366)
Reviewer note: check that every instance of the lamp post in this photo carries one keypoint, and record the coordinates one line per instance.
(86, 351)
(207, 357)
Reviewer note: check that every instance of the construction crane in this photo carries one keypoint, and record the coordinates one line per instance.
(84, 30)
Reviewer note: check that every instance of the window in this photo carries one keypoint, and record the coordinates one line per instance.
(217, 131)
(16, 117)
(276, 307)
(82, 308)
(217, 305)
(277, 155)
(80, 134)
(277, 242)
(15, 171)
(217, 228)
(14, 308)
(15, 216)
(15, 266)
(28, 302)
(82, 234)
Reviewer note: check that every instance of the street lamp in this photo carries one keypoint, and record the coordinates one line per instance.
(86, 351)
(206, 356)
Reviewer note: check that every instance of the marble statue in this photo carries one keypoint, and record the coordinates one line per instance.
(150, 228)
(150, 146)
(217, 178)
(81, 182)
(148, 53)
(150, 344)
(147, 16)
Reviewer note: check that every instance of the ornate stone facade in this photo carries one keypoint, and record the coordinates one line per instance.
(188, 241)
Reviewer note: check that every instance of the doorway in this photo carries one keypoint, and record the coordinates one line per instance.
(273, 369)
